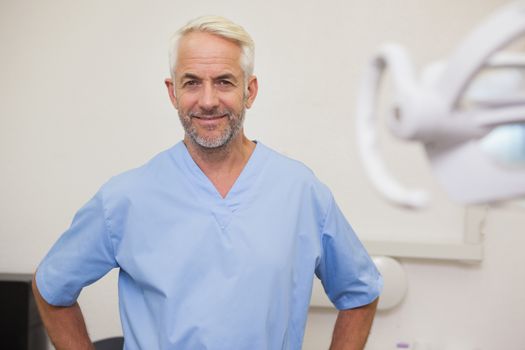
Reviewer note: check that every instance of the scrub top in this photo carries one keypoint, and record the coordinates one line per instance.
(198, 271)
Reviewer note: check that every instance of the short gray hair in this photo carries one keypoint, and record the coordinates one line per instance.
(222, 27)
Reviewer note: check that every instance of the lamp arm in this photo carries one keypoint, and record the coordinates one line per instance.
(395, 58)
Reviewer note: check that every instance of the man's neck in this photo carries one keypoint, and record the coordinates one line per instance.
(222, 165)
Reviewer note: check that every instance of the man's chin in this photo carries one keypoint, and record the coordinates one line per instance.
(211, 143)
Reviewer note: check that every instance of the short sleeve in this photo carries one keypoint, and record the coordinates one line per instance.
(348, 274)
(82, 255)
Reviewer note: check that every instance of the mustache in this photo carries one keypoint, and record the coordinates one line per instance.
(210, 114)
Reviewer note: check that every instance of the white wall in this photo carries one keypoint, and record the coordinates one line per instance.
(82, 98)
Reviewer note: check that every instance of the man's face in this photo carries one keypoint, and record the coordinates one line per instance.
(209, 89)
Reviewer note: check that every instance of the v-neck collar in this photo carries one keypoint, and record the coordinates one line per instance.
(242, 191)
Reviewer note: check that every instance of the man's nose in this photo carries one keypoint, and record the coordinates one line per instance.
(209, 98)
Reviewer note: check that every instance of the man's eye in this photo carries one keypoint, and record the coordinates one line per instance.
(225, 83)
(190, 83)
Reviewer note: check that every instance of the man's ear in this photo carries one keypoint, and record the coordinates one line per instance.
(253, 87)
(171, 91)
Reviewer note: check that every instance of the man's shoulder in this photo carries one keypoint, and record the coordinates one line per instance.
(143, 176)
(293, 176)
(290, 167)
(292, 172)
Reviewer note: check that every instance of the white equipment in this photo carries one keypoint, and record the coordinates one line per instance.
(468, 112)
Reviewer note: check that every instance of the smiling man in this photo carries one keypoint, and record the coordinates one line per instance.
(218, 238)
(210, 89)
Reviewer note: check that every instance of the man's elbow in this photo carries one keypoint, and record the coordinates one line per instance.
(36, 292)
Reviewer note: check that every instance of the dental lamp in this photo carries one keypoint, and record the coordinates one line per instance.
(468, 112)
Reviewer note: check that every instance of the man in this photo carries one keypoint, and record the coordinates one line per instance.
(218, 238)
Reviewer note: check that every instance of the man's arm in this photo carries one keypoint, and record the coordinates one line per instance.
(65, 325)
(352, 327)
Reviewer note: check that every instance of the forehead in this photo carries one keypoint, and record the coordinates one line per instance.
(200, 50)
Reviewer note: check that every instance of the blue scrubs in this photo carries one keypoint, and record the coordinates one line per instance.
(198, 271)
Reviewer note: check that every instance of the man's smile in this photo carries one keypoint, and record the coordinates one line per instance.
(209, 120)
(213, 117)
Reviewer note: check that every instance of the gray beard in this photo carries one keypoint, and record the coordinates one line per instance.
(235, 124)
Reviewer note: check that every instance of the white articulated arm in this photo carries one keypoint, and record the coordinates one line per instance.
(393, 57)
(432, 112)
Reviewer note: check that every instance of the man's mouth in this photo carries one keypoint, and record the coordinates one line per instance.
(210, 117)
